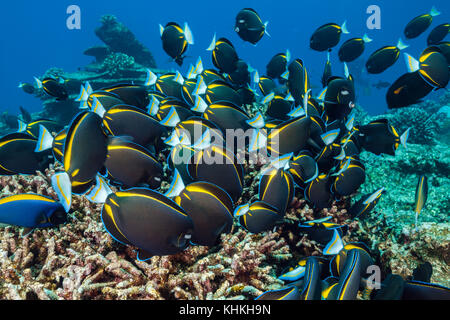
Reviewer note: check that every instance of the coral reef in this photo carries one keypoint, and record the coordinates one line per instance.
(115, 63)
(120, 39)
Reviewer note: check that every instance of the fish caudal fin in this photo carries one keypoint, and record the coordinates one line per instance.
(63, 188)
(411, 63)
(100, 192)
(188, 34)
(434, 12)
(265, 29)
(151, 78)
(344, 28)
(335, 245)
(404, 138)
(401, 45)
(213, 44)
(22, 126)
(366, 38)
(45, 140)
(177, 185)
(172, 118)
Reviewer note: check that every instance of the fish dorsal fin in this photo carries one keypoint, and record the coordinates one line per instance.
(100, 192)
(177, 186)
(45, 140)
(188, 34)
(63, 188)
(335, 245)
(151, 78)
(213, 43)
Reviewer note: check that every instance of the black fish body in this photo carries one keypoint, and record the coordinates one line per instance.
(249, 26)
(410, 88)
(224, 56)
(438, 34)
(326, 37)
(174, 42)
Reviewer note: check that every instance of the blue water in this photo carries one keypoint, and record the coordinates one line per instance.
(35, 37)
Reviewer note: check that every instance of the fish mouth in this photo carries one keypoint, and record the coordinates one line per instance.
(351, 105)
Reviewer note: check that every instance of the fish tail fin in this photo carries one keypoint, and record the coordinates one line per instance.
(45, 140)
(285, 75)
(83, 96)
(297, 112)
(257, 122)
(198, 66)
(344, 27)
(411, 63)
(268, 98)
(434, 12)
(404, 138)
(100, 192)
(258, 140)
(200, 87)
(63, 188)
(213, 43)
(38, 83)
(366, 38)
(401, 45)
(188, 34)
(288, 55)
(22, 126)
(151, 78)
(97, 107)
(177, 185)
(330, 136)
(346, 71)
(179, 78)
(335, 245)
(200, 105)
(256, 77)
(161, 30)
(204, 141)
(153, 106)
(282, 162)
(265, 29)
(241, 210)
(172, 118)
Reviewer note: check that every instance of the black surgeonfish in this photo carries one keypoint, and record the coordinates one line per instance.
(384, 58)
(257, 217)
(353, 48)
(421, 195)
(417, 290)
(350, 279)
(423, 272)
(349, 178)
(167, 85)
(278, 65)
(166, 110)
(247, 95)
(410, 88)
(18, 156)
(106, 99)
(53, 88)
(391, 288)
(218, 91)
(124, 120)
(148, 220)
(432, 66)
(289, 137)
(339, 97)
(266, 85)
(438, 34)
(341, 253)
(131, 94)
(276, 187)
(31, 211)
(209, 206)
(32, 128)
(298, 80)
(419, 24)
(175, 40)
(85, 150)
(279, 108)
(196, 127)
(219, 166)
(288, 293)
(321, 230)
(241, 76)
(317, 192)
(326, 71)
(303, 169)
(365, 204)
(224, 55)
(312, 288)
(380, 137)
(132, 165)
(327, 36)
(27, 87)
(249, 26)
(226, 115)
(210, 75)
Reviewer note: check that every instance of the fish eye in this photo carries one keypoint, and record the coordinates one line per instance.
(58, 217)
(345, 92)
